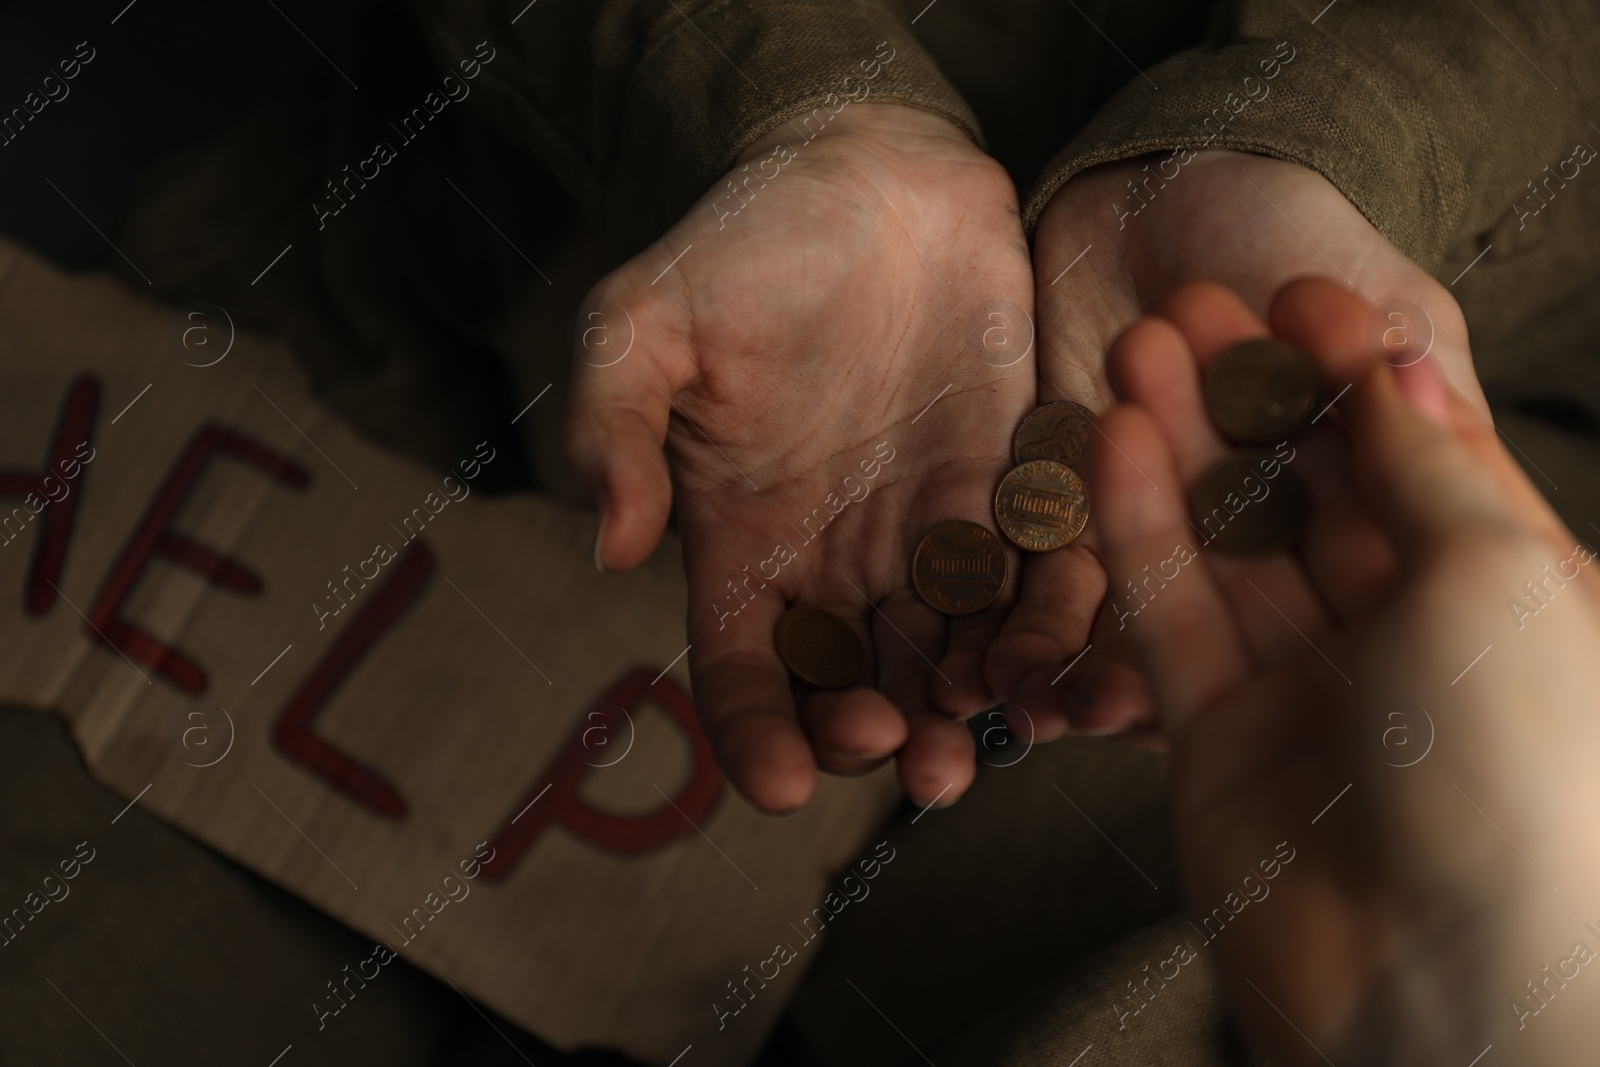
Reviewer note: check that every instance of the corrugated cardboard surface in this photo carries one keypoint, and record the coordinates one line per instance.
(368, 759)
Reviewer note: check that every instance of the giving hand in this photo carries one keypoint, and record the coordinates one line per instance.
(1383, 767)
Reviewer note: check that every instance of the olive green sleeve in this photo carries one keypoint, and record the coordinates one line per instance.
(638, 106)
(1432, 116)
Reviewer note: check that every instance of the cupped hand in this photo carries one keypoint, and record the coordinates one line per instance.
(1111, 245)
(833, 345)
(1384, 766)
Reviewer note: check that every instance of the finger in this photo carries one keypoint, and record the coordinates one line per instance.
(616, 424)
(852, 731)
(1348, 556)
(1028, 724)
(1091, 693)
(1320, 307)
(1050, 622)
(1426, 485)
(1107, 696)
(937, 759)
(1187, 638)
(745, 702)
(1481, 438)
(1111, 698)
(960, 688)
(1101, 694)
(1330, 321)
(1426, 391)
(1153, 367)
(1211, 319)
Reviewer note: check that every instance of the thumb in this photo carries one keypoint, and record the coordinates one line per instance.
(615, 427)
(1427, 483)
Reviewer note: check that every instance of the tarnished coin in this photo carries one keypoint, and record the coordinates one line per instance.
(819, 647)
(1041, 505)
(1250, 503)
(959, 567)
(1263, 391)
(1058, 431)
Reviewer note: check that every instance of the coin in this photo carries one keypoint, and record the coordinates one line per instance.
(1263, 391)
(959, 567)
(1058, 431)
(1250, 503)
(819, 647)
(1041, 505)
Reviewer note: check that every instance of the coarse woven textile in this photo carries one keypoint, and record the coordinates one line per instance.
(1446, 127)
(658, 100)
(1117, 1008)
(1429, 117)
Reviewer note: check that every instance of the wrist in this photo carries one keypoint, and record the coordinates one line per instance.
(1132, 189)
(890, 124)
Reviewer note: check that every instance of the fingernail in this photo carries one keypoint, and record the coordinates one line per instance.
(1425, 389)
(604, 504)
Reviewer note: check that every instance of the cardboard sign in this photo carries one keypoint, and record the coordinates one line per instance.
(420, 710)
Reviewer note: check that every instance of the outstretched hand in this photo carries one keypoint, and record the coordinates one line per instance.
(834, 345)
(1383, 766)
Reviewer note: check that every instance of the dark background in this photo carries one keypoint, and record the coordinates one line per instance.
(168, 74)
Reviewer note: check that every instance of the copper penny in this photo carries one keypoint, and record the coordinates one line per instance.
(1058, 431)
(1263, 391)
(959, 567)
(1041, 505)
(819, 647)
(1250, 503)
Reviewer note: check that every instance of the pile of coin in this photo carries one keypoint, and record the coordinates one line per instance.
(1040, 506)
(1259, 392)
(1043, 504)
